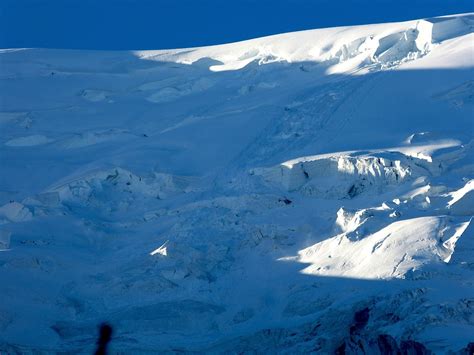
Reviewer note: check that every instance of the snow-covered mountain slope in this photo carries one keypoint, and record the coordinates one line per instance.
(297, 193)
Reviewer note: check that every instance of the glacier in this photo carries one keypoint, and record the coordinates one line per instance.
(309, 192)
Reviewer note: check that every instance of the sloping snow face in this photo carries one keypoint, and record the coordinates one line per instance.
(298, 193)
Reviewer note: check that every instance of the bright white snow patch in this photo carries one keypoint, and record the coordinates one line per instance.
(391, 252)
(462, 201)
(161, 250)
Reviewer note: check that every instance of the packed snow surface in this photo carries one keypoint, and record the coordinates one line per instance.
(246, 197)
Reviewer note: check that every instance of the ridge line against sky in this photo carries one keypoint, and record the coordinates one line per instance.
(165, 24)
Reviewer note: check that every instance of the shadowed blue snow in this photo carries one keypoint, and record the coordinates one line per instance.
(146, 24)
(245, 198)
(250, 197)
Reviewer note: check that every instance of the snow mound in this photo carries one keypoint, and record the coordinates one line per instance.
(458, 96)
(423, 137)
(462, 201)
(93, 95)
(6, 117)
(464, 252)
(247, 89)
(117, 189)
(95, 137)
(5, 237)
(15, 212)
(172, 93)
(29, 141)
(383, 254)
(48, 199)
(356, 224)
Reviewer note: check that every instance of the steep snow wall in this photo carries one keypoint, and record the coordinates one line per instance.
(338, 176)
(382, 46)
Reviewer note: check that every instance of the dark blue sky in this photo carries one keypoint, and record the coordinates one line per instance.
(147, 24)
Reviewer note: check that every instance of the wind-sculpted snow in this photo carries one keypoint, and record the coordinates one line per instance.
(100, 185)
(309, 192)
(462, 202)
(402, 42)
(382, 254)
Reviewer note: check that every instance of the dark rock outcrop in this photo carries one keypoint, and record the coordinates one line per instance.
(387, 345)
(411, 347)
(363, 342)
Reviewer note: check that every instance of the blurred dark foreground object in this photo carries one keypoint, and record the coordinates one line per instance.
(104, 338)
